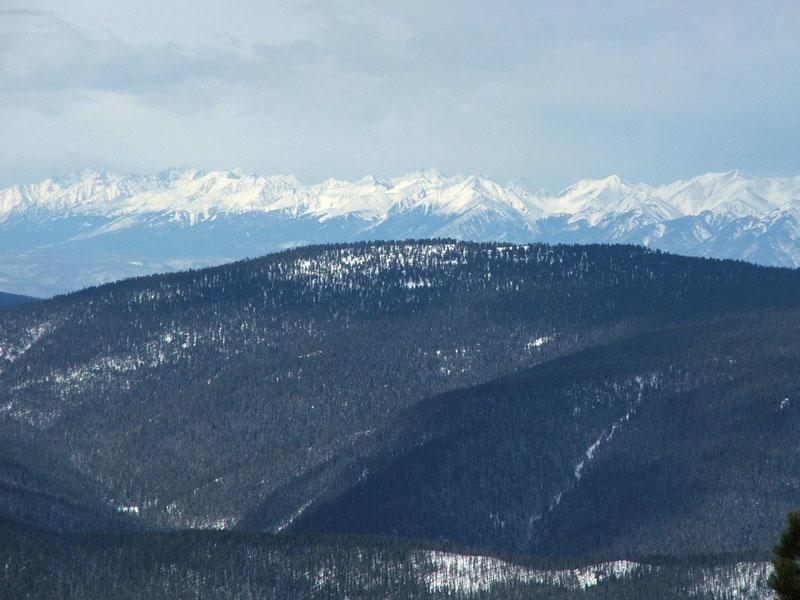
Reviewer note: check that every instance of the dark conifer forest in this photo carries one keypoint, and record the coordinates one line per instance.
(12, 299)
(417, 419)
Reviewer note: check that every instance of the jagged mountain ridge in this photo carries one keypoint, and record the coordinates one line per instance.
(198, 195)
(88, 227)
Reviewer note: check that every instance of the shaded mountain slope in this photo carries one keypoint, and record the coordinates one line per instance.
(250, 394)
(674, 441)
(7, 300)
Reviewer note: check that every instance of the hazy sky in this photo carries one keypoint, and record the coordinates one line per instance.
(554, 91)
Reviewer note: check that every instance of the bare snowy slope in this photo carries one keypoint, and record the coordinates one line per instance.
(89, 227)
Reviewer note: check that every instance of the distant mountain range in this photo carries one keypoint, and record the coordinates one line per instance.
(86, 228)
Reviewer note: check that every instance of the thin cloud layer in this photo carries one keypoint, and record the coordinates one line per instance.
(553, 92)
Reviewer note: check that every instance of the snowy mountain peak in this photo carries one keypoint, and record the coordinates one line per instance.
(202, 193)
(187, 217)
(612, 182)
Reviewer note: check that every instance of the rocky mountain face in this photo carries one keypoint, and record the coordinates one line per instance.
(89, 228)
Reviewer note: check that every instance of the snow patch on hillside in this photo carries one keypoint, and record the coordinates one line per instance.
(468, 574)
(473, 574)
(608, 435)
(745, 580)
(293, 517)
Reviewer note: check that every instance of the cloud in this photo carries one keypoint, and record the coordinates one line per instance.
(552, 91)
(604, 59)
(45, 53)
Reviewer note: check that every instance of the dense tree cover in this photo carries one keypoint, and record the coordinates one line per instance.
(562, 400)
(7, 300)
(667, 442)
(207, 564)
(188, 399)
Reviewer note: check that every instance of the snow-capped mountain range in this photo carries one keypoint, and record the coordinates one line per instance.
(86, 228)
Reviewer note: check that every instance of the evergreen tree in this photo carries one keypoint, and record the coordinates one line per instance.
(785, 578)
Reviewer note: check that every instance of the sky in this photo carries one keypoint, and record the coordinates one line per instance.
(552, 91)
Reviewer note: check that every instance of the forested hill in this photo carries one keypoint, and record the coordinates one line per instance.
(12, 299)
(268, 393)
(673, 442)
